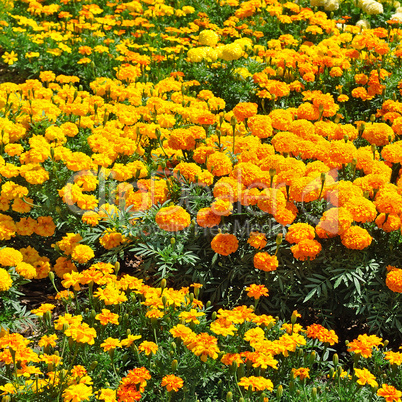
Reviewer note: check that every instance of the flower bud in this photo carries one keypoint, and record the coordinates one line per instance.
(175, 363)
(229, 397)
(314, 392)
(335, 359)
(93, 365)
(279, 239)
(279, 392)
(163, 283)
(116, 267)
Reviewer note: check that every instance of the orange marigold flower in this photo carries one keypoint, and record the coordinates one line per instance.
(378, 133)
(245, 110)
(306, 249)
(173, 218)
(207, 219)
(172, 382)
(390, 393)
(257, 240)
(256, 291)
(356, 238)
(224, 243)
(9, 257)
(266, 262)
(219, 164)
(316, 331)
(394, 280)
(298, 232)
(107, 316)
(148, 347)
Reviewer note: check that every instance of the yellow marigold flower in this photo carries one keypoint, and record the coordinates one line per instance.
(173, 218)
(110, 344)
(81, 333)
(204, 345)
(224, 243)
(82, 253)
(26, 270)
(389, 393)
(10, 257)
(10, 58)
(301, 372)
(191, 316)
(148, 347)
(256, 383)
(76, 393)
(365, 377)
(223, 327)
(47, 340)
(129, 340)
(172, 382)
(43, 309)
(5, 280)
(256, 291)
(393, 357)
(232, 51)
(265, 262)
(208, 37)
(107, 317)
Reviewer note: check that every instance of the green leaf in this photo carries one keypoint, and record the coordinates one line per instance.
(310, 295)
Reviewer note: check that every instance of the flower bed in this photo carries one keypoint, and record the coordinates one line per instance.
(249, 148)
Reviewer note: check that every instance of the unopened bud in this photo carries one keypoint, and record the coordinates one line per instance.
(279, 392)
(279, 238)
(335, 359)
(172, 241)
(213, 316)
(175, 363)
(93, 365)
(116, 267)
(314, 392)
(163, 283)
(51, 276)
(229, 397)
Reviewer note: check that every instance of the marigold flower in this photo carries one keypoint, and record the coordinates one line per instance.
(356, 238)
(390, 393)
(256, 291)
(207, 219)
(245, 110)
(265, 262)
(82, 253)
(365, 377)
(148, 347)
(219, 164)
(316, 331)
(77, 392)
(394, 280)
(306, 249)
(224, 243)
(110, 344)
(9, 257)
(43, 309)
(5, 280)
(301, 372)
(256, 383)
(173, 218)
(172, 382)
(298, 232)
(257, 240)
(107, 317)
